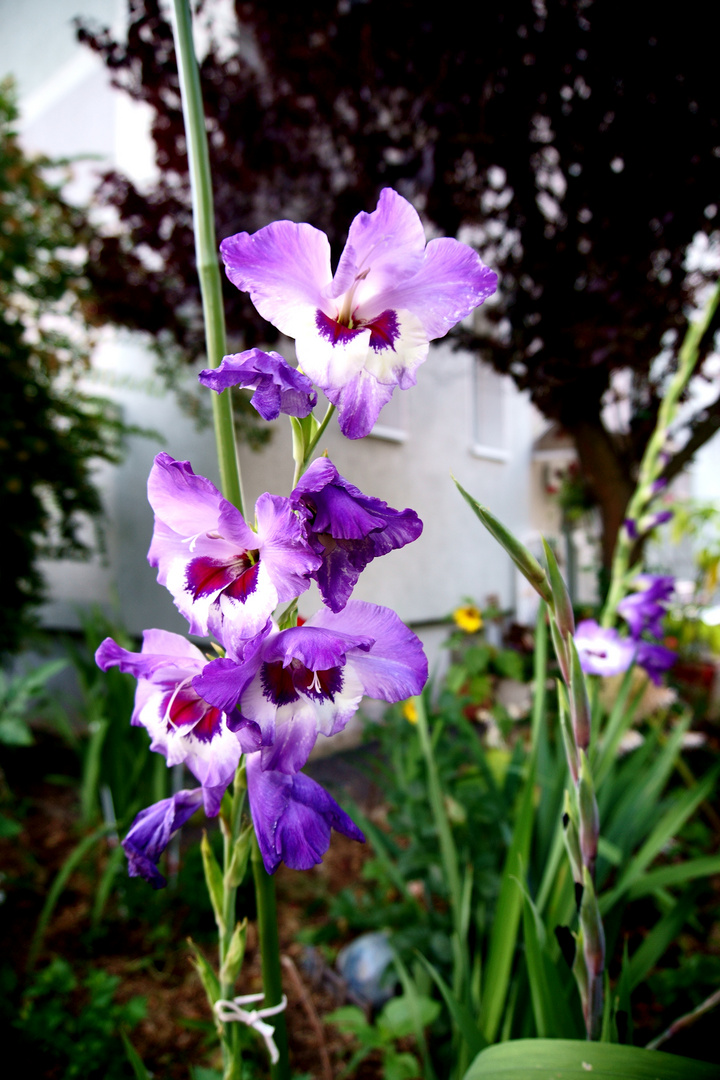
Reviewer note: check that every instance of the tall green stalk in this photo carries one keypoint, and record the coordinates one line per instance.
(231, 934)
(206, 250)
(651, 465)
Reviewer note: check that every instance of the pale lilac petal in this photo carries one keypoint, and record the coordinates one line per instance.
(359, 402)
(395, 667)
(160, 649)
(293, 818)
(295, 735)
(224, 577)
(182, 726)
(285, 551)
(233, 620)
(317, 649)
(601, 649)
(359, 371)
(153, 829)
(185, 502)
(278, 386)
(451, 283)
(285, 267)
(386, 245)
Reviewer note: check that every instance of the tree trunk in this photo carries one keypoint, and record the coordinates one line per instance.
(607, 475)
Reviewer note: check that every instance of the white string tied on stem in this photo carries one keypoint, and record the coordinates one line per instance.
(228, 1011)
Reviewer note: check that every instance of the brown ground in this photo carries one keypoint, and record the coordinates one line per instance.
(168, 1040)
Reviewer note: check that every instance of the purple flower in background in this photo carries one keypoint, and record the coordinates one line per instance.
(293, 816)
(601, 649)
(634, 528)
(310, 679)
(278, 386)
(347, 529)
(366, 330)
(224, 577)
(153, 829)
(655, 659)
(182, 726)
(644, 610)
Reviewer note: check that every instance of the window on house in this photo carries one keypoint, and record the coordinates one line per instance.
(490, 394)
(392, 423)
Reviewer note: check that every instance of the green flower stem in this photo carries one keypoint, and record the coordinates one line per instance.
(318, 435)
(231, 1047)
(206, 246)
(651, 465)
(307, 452)
(270, 952)
(210, 285)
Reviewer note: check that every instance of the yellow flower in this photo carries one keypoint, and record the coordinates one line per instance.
(468, 618)
(410, 712)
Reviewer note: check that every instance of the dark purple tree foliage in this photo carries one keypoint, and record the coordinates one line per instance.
(582, 149)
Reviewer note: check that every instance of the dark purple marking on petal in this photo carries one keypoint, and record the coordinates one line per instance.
(182, 708)
(205, 576)
(384, 331)
(277, 683)
(244, 584)
(334, 331)
(209, 724)
(319, 685)
(235, 577)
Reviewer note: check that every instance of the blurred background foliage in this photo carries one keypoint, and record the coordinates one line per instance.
(51, 432)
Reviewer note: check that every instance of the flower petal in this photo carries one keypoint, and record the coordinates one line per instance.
(285, 267)
(395, 667)
(293, 817)
(278, 386)
(452, 281)
(153, 829)
(348, 529)
(386, 245)
(601, 649)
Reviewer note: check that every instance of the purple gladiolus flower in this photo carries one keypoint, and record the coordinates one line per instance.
(293, 816)
(310, 679)
(644, 610)
(225, 578)
(646, 525)
(655, 659)
(601, 649)
(347, 529)
(366, 330)
(182, 726)
(153, 829)
(278, 386)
